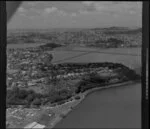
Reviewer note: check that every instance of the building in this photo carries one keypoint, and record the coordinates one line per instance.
(34, 125)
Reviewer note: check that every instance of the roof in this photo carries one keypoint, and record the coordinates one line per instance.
(34, 125)
(39, 126)
(31, 125)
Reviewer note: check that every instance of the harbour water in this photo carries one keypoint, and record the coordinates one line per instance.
(117, 107)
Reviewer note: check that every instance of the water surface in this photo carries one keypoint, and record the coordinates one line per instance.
(118, 107)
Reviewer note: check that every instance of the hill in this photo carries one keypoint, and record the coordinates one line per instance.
(96, 37)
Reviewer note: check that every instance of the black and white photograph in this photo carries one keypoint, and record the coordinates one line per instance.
(74, 64)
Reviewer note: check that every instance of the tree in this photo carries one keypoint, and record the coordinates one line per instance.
(54, 75)
(36, 101)
(15, 90)
(46, 58)
(30, 98)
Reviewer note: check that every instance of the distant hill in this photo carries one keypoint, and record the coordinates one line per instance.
(122, 31)
(74, 29)
(95, 37)
(117, 28)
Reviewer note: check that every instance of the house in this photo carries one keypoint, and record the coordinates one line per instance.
(34, 125)
(31, 125)
(39, 126)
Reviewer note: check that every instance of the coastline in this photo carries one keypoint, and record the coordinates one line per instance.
(74, 103)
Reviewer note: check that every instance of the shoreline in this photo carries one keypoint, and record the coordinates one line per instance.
(61, 111)
(75, 103)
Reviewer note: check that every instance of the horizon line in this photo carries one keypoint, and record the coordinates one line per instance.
(134, 27)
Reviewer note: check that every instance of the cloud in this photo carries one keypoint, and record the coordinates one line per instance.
(132, 12)
(111, 7)
(22, 14)
(83, 12)
(50, 10)
(34, 12)
(74, 21)
(87, 3)
(22, 10)
(62, 13)
(89, 6)
(33, 3)
(85, 8)
(73, 14)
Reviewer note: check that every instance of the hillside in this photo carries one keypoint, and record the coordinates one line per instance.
(96, 37)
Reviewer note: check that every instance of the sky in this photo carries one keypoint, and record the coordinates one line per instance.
(76, 14)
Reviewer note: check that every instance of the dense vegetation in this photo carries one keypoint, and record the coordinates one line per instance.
(49, 46)
(90, 81)
(17, 96)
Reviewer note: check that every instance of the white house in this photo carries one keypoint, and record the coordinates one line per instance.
(34, 125)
